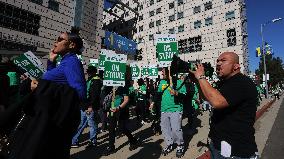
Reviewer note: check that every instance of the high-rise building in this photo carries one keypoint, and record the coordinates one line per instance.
(204, 29)
(33, 25)
(89, 19)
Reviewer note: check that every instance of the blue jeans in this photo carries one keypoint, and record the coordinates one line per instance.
(86, 118)
(216, 154)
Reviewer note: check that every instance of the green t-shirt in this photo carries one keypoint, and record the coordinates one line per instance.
(195, 97)
(168, 103)
(119, 95)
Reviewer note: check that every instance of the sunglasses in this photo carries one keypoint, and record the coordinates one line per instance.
(59, 39)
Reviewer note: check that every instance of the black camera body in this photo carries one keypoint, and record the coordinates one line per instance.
(180, 66)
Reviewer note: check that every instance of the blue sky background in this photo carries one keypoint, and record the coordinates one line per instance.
(259, 12)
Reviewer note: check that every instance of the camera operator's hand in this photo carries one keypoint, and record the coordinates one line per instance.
(199, 71)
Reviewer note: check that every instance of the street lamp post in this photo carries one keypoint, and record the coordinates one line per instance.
(264, 54)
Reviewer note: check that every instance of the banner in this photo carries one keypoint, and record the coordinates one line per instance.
(115, 68)
(153, 71)
(166, 47)
(94, 62)
(135, 70)
(119, 43)
(31, 64)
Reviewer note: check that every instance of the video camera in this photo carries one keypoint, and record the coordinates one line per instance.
(180, 66)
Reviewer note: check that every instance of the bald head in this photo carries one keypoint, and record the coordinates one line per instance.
(233, 56)
(227, 65)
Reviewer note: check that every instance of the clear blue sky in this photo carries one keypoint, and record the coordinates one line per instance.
(259, 12)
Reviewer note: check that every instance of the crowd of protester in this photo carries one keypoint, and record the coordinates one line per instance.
(45, 117)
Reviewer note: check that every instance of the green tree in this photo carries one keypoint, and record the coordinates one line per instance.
(274, 67)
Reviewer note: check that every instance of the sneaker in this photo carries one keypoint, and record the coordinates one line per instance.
(168, 149)
(180, 151)
(74, 145)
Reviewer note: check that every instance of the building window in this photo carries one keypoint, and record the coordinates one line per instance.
(171, 5)
(172, 31)
(151, 24)
(208, 21)
(53, 5)
(151, 13)
(151, 37)
(171, 18)
(181, 28)
(207, 6)
(158, 22)
(152, 2)
(180, 2)
(159, 10)
(182, 45)
(230, 15)
(228, 1)
(194, 44)
(180, 15)
(196, 9)
(126, 14)
(231, 35)
(18, 19)
(140, 28)
(140, 17)
(140, 40)
(197, 24)
(39, 2)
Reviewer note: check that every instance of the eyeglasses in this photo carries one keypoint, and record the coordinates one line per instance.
(59, 39)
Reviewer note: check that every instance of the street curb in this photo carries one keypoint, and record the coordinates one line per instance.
(263, 109)
(258, 114)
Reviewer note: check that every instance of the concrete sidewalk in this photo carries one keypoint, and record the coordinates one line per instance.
(152, 145)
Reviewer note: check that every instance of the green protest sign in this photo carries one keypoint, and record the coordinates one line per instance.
(166, 47)
(144, 71)
(31, 64)
(135, 71)
(102, 58)
(153, 71)
(114, 70)
(94, 62)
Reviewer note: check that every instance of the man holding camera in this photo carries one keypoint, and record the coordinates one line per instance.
(234, 107)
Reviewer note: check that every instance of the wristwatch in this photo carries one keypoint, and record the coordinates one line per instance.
(201, 77)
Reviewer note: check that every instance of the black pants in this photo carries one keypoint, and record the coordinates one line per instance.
(157, 119)
(122, 118)
(140, 109)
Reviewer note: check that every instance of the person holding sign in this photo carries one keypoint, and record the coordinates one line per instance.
(119, 111)
(54, 106)
(141, 102)
(171, 113)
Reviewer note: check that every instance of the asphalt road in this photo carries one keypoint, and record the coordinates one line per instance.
(274, 147)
